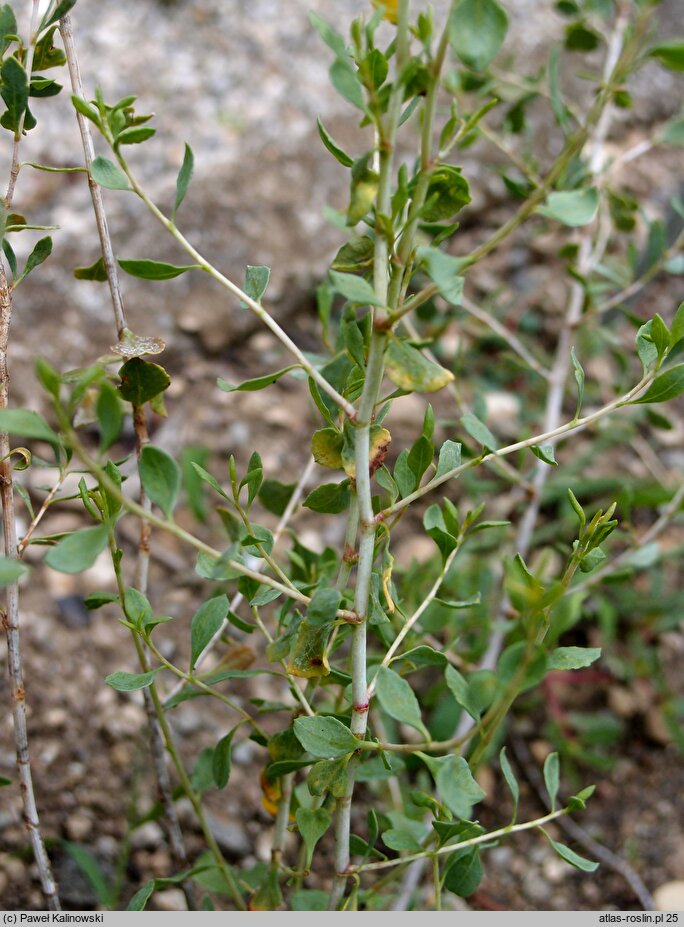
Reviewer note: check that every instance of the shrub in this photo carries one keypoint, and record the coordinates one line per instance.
(395, 674)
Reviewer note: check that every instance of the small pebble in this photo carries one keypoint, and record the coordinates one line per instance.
(79, 827)
(171, 899)
(670, 896)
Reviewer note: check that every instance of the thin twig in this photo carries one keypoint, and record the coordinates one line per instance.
(255, 306)
(10, 623)
(95, 189)
(238, 598)
(410, 622)
(508, 336)
(576, 424)
(170, 820)
(579, 834)
(463, 844)
(589, 256)
(24, 542)
(28, 65)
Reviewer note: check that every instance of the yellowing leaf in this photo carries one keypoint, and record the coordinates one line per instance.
(410, 370)
(390, 7)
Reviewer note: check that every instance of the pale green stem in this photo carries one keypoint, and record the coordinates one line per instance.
(410, 623)
(282, 820)
(573, 145)
(28, 66)
(195, 800)
(349, 550)
(294, 688)
(172, 528)
(574, 425)
(437, 883)
(473, 842)
(369, 398)
(233, 288)
(202, 686)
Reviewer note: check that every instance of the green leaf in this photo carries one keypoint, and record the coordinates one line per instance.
(325, 737)
(78, 551)
(134, 135)
(579, 862)
(448, 192)
(672, 132)
(449, 457)
(275, 496)
(130, 682)
(479, 431)
(309, 899)
(333, 147)
(222, 760)
(139, 901)
(665, 386)
(184, 178)
(90, 868)
(669, 54)
(312, 824)
(108, 175)
(443, 269)
(8, 26)
(411, 371)
(399, 700)
(510, 663)
(11, 570)
(355, 289)
(571, 207)
(552, 777)
(456, 785)
(109, 415)
(40, 253)
(571, 658)
(257, 383)
(256, 281)
(330, 36)
(328, 776)
(326, 447)
(137, 607)
(511, 781)
(60, 10)
(420, 457)
(545, 453)
(458, 686)
(329, 499)
(206, 621)
(84, 108)
(161, 478)
(154, 270)
(323, 606)
(142, 381)
(578, 37)
(355, 256)
(579, 377)
(677, 330)
(96, 272)
(477, 29)
(345, 80)
(98, 599)
(401, 840)
(465, 873)
(15, 93)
